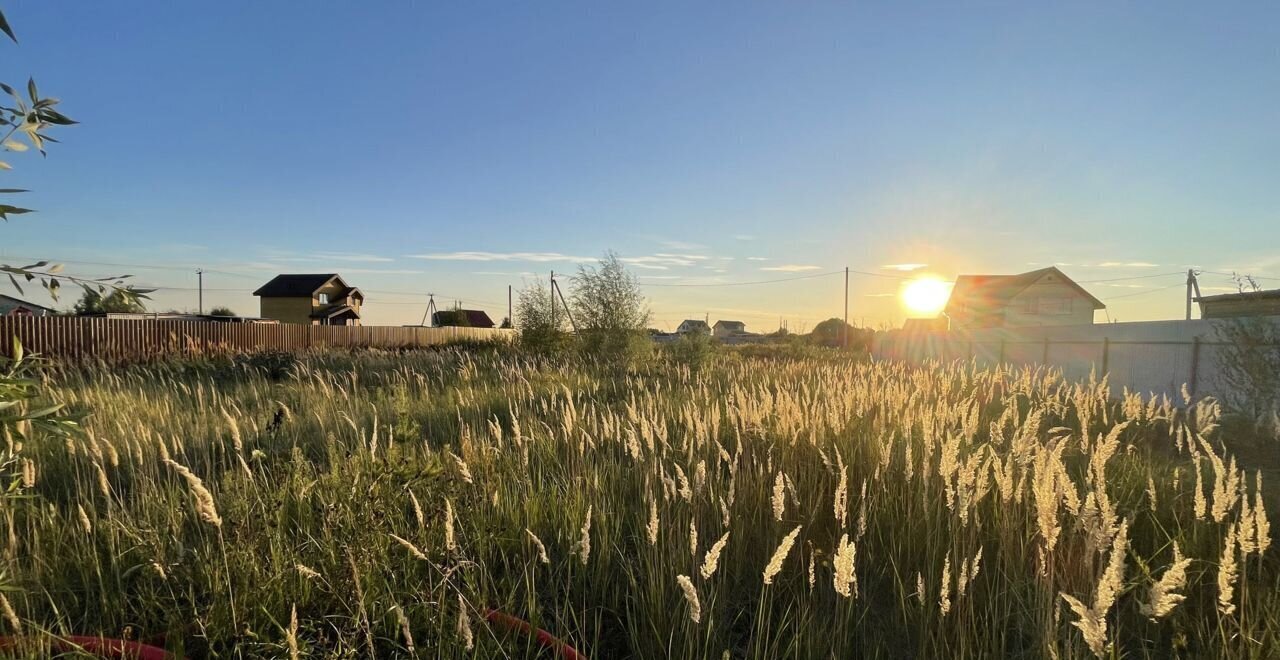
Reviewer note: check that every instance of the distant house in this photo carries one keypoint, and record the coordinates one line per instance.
(10, 306)
(1240, 305)
(310, 299)
(470, 318)
(1039, 298)
(688, 326)
(727, 329)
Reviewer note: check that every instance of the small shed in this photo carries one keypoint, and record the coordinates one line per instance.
(1245, 304)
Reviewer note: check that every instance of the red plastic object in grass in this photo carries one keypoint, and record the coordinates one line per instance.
(103, 647)
(544, 638)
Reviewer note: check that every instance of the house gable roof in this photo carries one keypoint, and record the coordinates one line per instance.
(1243, 295)
(731, 324)
(694, 323)
(988, 293)
(29, 305)
(297, 285)
(335, 311)
(474, 318)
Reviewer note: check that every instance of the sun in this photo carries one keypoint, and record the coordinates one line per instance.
(926, 296)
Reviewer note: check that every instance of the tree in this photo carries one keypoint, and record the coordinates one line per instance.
(606, 297)
(506, 323)
(93, 302)
(222, 311)
(611, 312)
(26, 124)
(831, 332)
(541, 327)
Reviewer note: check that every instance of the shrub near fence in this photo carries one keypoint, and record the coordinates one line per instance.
(117, 340)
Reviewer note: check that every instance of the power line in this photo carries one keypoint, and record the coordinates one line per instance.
(1143, 293)
(1256, 277)
(1125, 279)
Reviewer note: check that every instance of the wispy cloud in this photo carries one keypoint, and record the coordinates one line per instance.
(791, 268)
(1122, 264)
(182, 247)
(744, 237)
(674, 244)
(382, 271)
(904, 267)
(351, 256)
(881, 295)
(294, 256)
(505, 273)
(759, 259)
(663, 261)
(537, 257)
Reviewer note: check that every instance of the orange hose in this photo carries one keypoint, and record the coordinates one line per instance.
(544, 638)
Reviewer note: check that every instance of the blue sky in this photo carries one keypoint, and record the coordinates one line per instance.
(457, 148)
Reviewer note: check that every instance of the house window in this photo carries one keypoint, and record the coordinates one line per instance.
(1027, 305)
(324, 298)
(1055, 306)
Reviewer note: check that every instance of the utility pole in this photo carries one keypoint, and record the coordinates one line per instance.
(1192, 285)
(556, 288)
(553, 300)
(431, 308)
(200, 277)
(510, 319)
(844, 329)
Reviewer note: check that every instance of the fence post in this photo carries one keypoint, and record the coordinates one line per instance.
(1044, 359)
(1195, 366)
(1106, 355)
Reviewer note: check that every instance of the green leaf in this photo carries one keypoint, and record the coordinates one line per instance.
(13, 190)
(31, 90)
(17, 349)
(14, 281)
(43, 412)
(54, 117)
(4, 27)
(6, 209)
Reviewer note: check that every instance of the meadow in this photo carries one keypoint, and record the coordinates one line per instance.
(376, 504)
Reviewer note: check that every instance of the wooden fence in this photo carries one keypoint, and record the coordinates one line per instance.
(117, 340)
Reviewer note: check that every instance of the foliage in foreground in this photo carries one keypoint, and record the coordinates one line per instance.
(374, 506)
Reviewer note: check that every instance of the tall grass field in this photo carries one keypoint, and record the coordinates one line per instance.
(378, 505)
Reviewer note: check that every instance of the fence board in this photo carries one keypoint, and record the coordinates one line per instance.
(117, 340)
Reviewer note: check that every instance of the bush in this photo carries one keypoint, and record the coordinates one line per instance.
(616, 349)
(275, 366)
(1250, 367)
(692, 349)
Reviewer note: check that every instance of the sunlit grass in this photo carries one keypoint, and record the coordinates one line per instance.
(363, 505)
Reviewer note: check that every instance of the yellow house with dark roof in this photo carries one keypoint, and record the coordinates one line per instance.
(310, 299)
